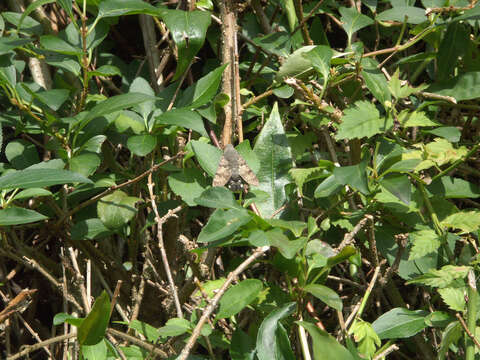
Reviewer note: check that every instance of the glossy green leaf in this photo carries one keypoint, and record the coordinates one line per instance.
(223, 223)
(31, 193)
(85, 164)
(399, 323)
(296, 64)
(451, 133)
(354, 176)
(208, 156)
(454, 188)
(140, 85)
(182, 117)
(188, 30)
(109, 8)
(116, 209)
(94, 144)
(454, 297)
(217, 198)
(141, 145)
(408, 14)
(90, 229)
(415, 118)
(52, 98)
(275, 157)
(277, 42)
(92, 329)
(399, 185)
(327, 295)
(7, 44)
(320, 57)
(353, 21)
(268, 347)
(375, 80)
(462, 87)
(441, 277)
(32, 178)
(325, 346)
(21, 154)
(56, 44)
(451, 335)
(203, 90)
(238, 297)
(188, 184)
(18, 216)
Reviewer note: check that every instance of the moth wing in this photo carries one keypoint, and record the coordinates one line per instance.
(246, 173)
(223, 174)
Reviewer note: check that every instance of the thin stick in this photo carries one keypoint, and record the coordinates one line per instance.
(214, 302)
(465, 327)
(160, 221)
(138, 342)
(29, 348)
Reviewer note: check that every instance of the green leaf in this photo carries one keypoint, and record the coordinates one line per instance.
(302, 176)
(353, 21)
(114, 103)
(415, 118)
(449, 187)
(400, 90)
(33, 178)
(21, 154)
(454, 298)
(52, 98)
(217, 198)
(31, 7)
(399, 323)
(424, 242)
(116, 209)
(90, 229)
(223, 223)
(365, 336)
(451, 335)
(242, 346)
(288, 248)
(328, 187)
(327, 295)
(399, 185)
(361, 120)
(238, 297)
(85, 164)
(268, 340)
(56, 44)
(182, 117)
(18, 216)
(275, 159)
(94, 352)
(94, 144)
(188, 30)
(296, 64)
(442, 277)
(355, 176)
(277, 42)
(7, 44)
(150, 332)
(31, 193)
(92, 329)
(467, 221)
(110, 8)
(409, 14)
(325, 346)
(296, 227)
(203, 90)
(451, 133)
(442, 152)
(453, 46)
(462, 87)
(208, 156)
(188, 184)
(375, 80)
(142, 145)
(175, 327)
(320, 57)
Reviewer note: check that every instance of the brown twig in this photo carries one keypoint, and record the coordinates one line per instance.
(29, 348)
(214, 302)
(138, 342)
(469, 333)
(349, 237)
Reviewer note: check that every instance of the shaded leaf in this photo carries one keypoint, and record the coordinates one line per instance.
(238, 297)
(399, 323)
(116, 209)
(361, 120)
(223, 223)
(188, 184)
(327, 295)
(32, 178)
(92, 330)
(18, 216)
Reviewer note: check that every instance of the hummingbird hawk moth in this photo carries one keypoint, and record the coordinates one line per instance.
(233, 171)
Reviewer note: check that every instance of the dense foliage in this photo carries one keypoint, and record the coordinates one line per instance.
(360, 120)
